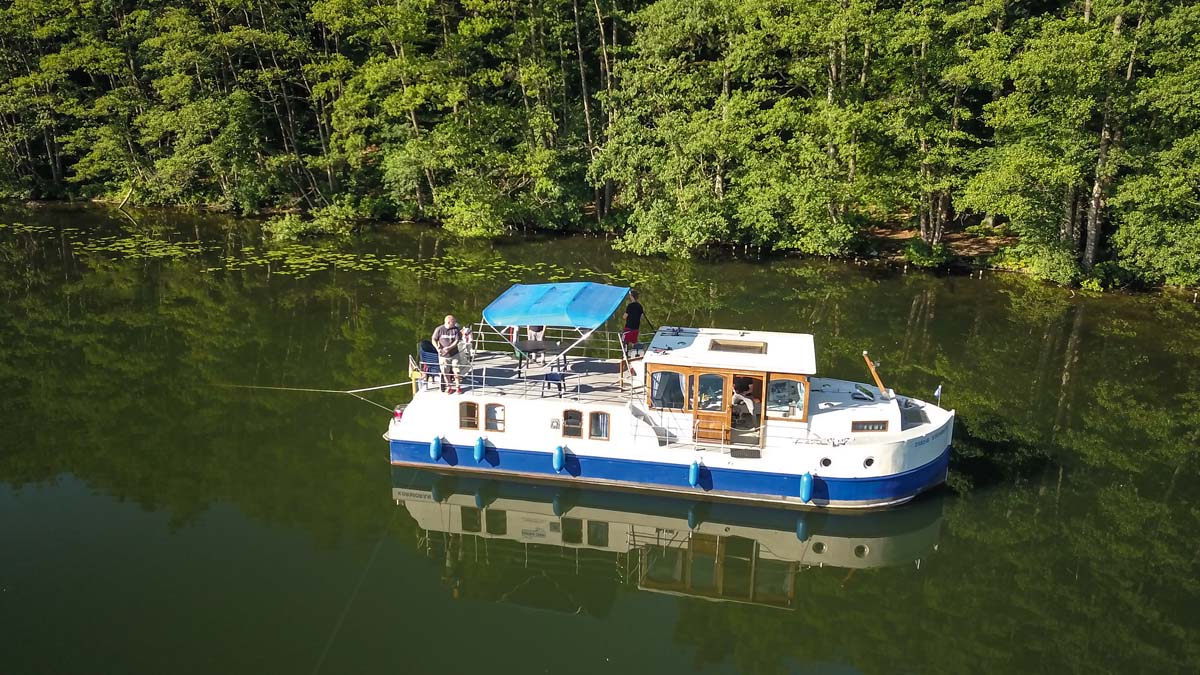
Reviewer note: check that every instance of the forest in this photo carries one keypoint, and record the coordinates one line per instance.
(1071, 129)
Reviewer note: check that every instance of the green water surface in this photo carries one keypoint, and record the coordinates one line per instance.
(154, 520)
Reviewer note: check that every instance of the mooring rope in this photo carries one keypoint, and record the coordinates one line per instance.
(352, 392)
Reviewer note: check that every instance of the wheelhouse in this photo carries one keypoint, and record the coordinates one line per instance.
(731, 383)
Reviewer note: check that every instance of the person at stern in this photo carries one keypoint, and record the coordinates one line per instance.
(448, 338)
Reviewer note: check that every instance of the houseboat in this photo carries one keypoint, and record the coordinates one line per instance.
(580, 538)
(724, 414)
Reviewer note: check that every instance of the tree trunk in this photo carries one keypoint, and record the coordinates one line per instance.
(1070, 358)
(587, 108)
(1109, 135)
(1068, 226)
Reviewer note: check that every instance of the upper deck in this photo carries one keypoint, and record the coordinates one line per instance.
(589, 372)
(734, 350)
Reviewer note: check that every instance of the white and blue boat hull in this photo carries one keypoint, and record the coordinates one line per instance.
(675, 478)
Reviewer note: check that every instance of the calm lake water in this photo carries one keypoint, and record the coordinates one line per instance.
(153, 519)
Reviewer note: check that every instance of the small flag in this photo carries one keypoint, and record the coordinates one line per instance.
(938, 392)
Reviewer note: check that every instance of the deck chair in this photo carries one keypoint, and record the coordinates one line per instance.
(556, 376)
(431, 366)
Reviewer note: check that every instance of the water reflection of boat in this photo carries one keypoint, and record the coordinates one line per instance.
(581, 541)
(732, 414)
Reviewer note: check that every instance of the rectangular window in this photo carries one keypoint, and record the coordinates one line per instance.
(572, 531)
(496, 522)
(666, 390)
(710, 392)
(493, 418)
(869, 426)
(737, 346)
(572, 424)
(598, 426)
(597, 533)
(468, 415)
(472, 519)
(785, 397)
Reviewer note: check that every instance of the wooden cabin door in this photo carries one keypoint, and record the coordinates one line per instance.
(711, 413)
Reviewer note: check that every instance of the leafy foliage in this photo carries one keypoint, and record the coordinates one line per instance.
(676, 125)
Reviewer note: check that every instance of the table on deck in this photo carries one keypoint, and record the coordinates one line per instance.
(527, 348)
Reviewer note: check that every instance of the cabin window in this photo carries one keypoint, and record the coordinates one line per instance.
(472, 519)
(572, 531)
(666, 390)
(880, 425)
(495, 522)
(597, 533)
(738, 346)
(710, 392)
(785, 397)
(598, 426)
(572, 424)
(468, 415)
(493, 417)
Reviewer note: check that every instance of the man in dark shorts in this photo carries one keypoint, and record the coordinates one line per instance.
(634, 313)
(452, 357)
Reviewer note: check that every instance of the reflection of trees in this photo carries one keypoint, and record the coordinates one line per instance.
(1073, 544)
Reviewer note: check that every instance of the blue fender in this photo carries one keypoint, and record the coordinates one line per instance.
(806, 487)
(694, 474)
(441, 489)
(435, 449)
(560, 458)
(480, 447)
(802, 528)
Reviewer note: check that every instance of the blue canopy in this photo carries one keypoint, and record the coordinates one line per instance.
(571, 305)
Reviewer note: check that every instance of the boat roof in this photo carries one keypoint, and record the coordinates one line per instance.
(742, 350)
(577, 304)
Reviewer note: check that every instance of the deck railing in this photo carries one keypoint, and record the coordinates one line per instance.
(601, 344)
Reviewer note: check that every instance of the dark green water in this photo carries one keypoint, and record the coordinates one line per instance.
(154, 521)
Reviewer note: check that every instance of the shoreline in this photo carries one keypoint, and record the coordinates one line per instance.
(885, 243)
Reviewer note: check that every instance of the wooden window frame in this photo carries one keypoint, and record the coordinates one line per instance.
(460, 415)
(607, 426)
(682, 371)
(726, 389)
(853, 423)
(503, 421)
(803, 404)
(564, 423)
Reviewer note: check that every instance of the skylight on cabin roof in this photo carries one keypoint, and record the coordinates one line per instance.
(737, 346)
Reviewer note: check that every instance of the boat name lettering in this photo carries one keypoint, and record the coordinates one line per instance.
(413, 495)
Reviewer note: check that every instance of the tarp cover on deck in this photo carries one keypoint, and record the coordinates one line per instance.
(570, 305)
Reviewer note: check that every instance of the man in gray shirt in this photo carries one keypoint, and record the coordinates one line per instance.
(448, 340)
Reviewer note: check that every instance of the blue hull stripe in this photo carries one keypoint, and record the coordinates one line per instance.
(876, 490)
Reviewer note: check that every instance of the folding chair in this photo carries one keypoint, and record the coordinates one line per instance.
(431, 365)
(557, 376)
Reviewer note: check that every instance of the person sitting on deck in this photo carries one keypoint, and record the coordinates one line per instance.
(453, 357)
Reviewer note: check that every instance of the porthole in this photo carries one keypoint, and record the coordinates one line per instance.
(818, 548)
(869, 462)
(861, 551)
(825, 461)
